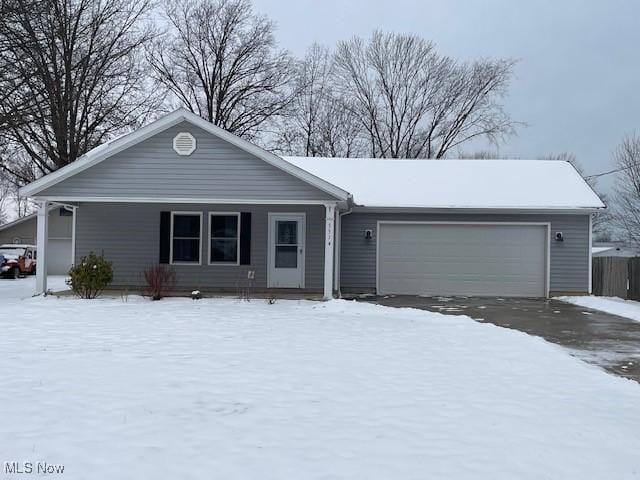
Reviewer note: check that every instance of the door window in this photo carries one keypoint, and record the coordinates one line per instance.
(286, 244)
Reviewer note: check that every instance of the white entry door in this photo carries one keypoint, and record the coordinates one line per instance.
(286, 250)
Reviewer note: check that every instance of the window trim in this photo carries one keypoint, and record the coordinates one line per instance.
(210, 237)
(171, 262)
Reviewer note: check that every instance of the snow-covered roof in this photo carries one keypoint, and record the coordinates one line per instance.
(595, 250)
(463, 184)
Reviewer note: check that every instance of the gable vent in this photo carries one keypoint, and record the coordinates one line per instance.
(184, 143)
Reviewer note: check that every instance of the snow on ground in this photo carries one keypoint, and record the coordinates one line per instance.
(25, 287)
(612, 305)
(220, 388)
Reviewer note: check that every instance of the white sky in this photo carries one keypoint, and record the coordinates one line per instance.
(577, 84)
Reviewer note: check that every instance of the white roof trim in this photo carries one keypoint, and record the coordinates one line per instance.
(213, 201)
(108, 149)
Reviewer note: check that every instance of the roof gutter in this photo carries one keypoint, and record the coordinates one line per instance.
(485, 210)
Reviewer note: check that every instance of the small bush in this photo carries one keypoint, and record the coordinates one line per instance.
(160, 281)
(91, 276)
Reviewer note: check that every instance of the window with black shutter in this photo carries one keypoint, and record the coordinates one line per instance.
(224, 238)
(185, 237)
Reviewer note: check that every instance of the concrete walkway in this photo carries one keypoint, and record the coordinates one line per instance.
(599, 338)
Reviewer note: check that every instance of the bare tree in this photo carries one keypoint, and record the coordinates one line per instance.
(320, 121)
(23, 205)
(5, 196)
(340, 132)
(219, 60)
(75, 69)
(481, 155)
(11, 84)
(11, 80)
(313, 82)
(12, 204)
(627, 192)
(413, 102)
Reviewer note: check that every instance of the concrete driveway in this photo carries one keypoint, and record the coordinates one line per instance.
(599, 338)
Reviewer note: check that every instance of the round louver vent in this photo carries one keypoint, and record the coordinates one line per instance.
(184, 143)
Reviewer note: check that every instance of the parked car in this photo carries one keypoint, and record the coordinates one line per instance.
(16, 260)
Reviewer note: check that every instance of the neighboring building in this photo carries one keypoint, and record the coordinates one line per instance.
(220, 210)
(23, 230)
(614, 249)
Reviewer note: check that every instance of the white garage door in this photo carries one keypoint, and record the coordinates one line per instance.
(462, 259)
(59, 256)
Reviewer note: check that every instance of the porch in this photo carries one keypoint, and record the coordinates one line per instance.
(213, 247)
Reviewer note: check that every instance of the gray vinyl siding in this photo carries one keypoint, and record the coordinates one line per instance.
(128, 236)
(216, 170)
(569, 262)
(25, 232)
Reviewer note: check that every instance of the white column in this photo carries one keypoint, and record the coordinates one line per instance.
(590, 286)
(329, 235)
(73, 236)
(41, 238)
(337, 238)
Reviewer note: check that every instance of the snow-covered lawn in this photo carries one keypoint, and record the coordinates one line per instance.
(26, 286)
(300, 390)
(612, 305)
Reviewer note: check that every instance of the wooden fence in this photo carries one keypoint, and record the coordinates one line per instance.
(634, 278)
(616, 277)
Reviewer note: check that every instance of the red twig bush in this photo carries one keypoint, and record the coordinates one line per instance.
(160, 281)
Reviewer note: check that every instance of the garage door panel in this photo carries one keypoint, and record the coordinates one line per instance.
(59, 260)
(462, 259)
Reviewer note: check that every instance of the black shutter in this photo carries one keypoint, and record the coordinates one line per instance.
(165, 236)
(245, 238)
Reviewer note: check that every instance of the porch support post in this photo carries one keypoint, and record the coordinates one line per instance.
(73, 236)
(329, 236)
(41, 244)
(337, 239)
(590, 286)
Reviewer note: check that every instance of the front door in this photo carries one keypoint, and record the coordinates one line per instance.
(286, 250)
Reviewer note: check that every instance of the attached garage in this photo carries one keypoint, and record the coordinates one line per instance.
(482, 259)
(59, 256)
(519, 228)
(60, 241)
